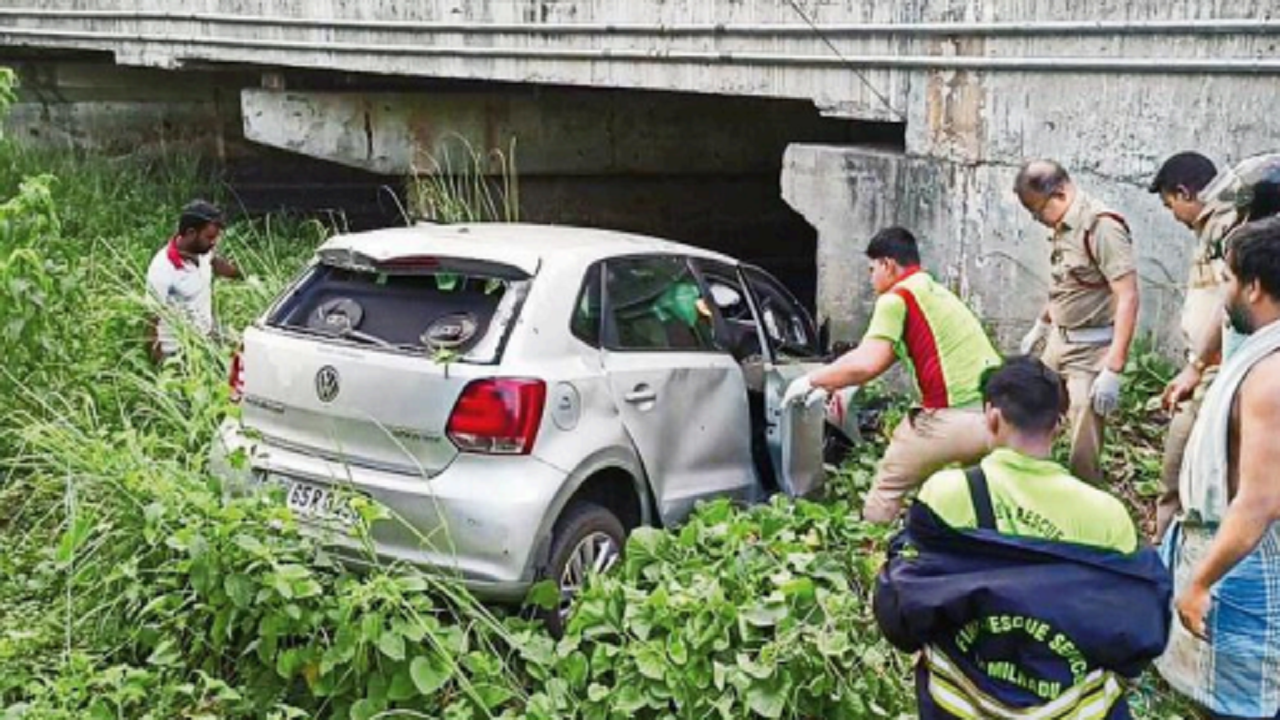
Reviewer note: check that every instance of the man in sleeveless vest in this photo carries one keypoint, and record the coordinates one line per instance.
(1224, 548)
(1092, 311)
(924, 324)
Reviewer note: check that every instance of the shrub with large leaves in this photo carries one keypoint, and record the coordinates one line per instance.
(741, 612)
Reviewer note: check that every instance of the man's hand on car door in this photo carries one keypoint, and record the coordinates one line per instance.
(800, 390)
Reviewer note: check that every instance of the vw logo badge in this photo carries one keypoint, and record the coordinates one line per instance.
(327, 384)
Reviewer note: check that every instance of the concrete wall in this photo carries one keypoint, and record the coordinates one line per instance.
(553, 130)
(102, 108)
(968, 132)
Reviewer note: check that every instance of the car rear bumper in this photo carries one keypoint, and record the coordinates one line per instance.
(479, 519)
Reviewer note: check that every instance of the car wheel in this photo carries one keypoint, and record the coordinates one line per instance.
(587, 540)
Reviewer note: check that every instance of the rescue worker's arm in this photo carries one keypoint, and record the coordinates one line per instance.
(153, 340)
(1207, 350)
(224, 268)
(1125, 291)
(858, 366)
(158, 285)
(1257, 502)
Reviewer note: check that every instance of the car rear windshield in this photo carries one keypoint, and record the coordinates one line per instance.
(441, 314)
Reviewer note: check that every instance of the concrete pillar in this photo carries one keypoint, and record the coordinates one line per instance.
(974, 237)
(846, 194)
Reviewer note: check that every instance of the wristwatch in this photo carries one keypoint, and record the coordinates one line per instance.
(1196, 361)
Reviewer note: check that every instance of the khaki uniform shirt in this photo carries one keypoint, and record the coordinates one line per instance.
(1204, 283)
(1079, 296)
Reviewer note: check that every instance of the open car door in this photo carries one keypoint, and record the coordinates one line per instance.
(795, 434)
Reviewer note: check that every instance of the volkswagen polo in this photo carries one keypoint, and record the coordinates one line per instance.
(520, 397)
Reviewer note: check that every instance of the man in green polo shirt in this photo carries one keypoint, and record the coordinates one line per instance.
(1031, 495)
(924, 324)
(997, 550)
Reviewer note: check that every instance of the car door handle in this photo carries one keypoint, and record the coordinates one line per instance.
(641, 394)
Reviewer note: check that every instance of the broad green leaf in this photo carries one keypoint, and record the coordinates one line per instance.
(365, 709)
(402, 686)
(677, 650)
(574, 670)
(767, 698)
(650, 662)
(412, 630)
(765, 615)
(392, 645)
(240, 588)
(544, 594)
(833, 643)
(429, 673)
(492, 696)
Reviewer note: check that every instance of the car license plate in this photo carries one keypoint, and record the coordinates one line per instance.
(314, 502)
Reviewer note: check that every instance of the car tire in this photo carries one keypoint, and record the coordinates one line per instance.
(587, 538)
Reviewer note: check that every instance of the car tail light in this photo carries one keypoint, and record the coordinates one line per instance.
(498, 416)
(236, 378)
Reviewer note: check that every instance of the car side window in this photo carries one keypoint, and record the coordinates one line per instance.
(587, 316)
(655, 303)
(785, 321)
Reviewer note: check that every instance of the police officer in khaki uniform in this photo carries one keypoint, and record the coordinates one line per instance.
(1212, 205)
(1092, 311)
(1179, 183)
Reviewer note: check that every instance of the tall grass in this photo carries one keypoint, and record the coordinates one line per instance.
(461, 183)
(128, 586)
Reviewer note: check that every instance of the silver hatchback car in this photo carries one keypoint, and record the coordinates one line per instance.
(522, 396)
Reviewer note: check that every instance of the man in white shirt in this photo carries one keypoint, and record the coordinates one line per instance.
(181, 277)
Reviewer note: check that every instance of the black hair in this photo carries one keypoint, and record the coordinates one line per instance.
(1029, 395)
(1255, 254)
(1040, 177)
(1186, 170)
(1265, 201)
(897, 244)
(197, 214)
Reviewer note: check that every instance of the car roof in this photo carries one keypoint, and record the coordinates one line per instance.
(525, 246)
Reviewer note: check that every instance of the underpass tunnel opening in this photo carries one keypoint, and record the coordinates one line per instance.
(700, 169)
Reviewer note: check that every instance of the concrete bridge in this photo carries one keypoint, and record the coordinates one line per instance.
(698, 119)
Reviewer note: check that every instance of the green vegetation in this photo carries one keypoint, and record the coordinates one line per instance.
(130, 588)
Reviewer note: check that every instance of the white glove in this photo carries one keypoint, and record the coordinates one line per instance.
(1105, 392)
(799, 391)
(1038, 333)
